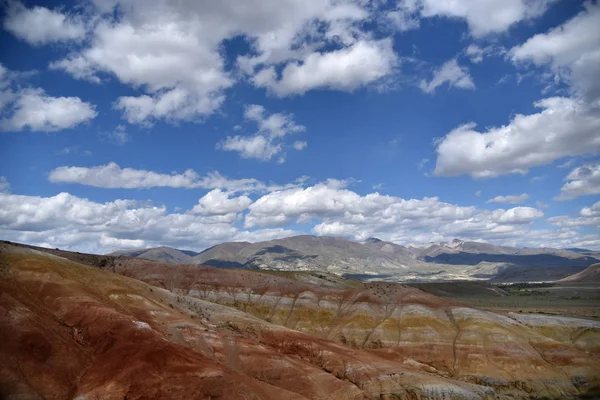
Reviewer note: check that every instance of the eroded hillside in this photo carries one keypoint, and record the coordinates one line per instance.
(75, 331)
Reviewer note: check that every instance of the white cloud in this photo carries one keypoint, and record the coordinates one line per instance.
(422, 163)
(300, 145)
(346, 69)
(40, 25)
(119, 136)
(538, 178)
(76, 149)
(486, 17)
(541, 204)
(71, 222)
(341, 212)
(165, 54)
(35, 110)
(588, 217)
(217, 202)
(565, 127)
(4, 185)
(405, 16)
(32, 108)
(475, 53)
(452, 74)
(111, 176)
(510, 199)
(572, 51)
(567, 163)
(173, 51)
(268, 141)
(582, 181)
(258, 147)
(274, 125)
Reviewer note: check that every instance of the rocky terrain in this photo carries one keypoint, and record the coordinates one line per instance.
(378, 260)
(115, 327)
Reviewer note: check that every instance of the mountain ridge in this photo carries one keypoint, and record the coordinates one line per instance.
(382, 260)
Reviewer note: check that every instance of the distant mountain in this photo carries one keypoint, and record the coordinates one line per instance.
(375, 259)
(390, 248)
(590, 274)
(460, 252)
(161, 254)
(579, 250)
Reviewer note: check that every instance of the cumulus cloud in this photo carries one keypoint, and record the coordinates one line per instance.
(571, 50)
(510, 199)
(76, 223)
(452, 74)
(31, 108)
(172, 51)
(338, 211)
(582, 181)
(328, 208)
(273, 125)
(258, 146)
(112, 176)
(40, 25)
(564, 127)
(587, 217)
(35, 110)
(217, 202)
(346, 69)
(486, 17)
(269, 140)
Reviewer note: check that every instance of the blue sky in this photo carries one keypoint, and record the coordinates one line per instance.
(412, 120)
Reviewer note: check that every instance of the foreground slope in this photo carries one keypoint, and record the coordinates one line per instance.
(74, 331)
(70, 330)
(590, 274)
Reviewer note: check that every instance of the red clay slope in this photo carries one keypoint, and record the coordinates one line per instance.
(73, 331)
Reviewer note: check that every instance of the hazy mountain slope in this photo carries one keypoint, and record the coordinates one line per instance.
(459, 247)
(379, 260)
(223, 255)
(390, 248)
(590, 274)
(335, 255)
(163, 254)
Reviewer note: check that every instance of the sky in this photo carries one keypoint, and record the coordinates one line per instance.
(128, 124)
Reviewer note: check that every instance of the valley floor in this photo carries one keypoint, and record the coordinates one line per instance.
(571, 299)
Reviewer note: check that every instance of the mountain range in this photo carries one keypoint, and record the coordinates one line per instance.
(375, 259)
